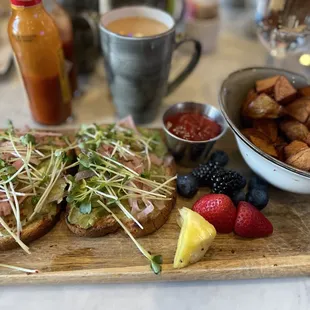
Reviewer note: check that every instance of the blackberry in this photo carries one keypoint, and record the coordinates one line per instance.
(227, 182)
(220, 157)
(204, 172)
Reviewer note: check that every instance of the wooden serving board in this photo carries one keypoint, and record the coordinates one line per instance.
(62, 257)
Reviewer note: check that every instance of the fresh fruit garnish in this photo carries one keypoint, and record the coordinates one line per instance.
(220, 180)
(219, 210)
(251, 223)
(236, 197)
(195, 238)
(227, 181)
(258, 182)
(204, 172)
(187, 185)
(220, 157)
(259, 198)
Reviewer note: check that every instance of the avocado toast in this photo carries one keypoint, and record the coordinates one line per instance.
(32, 184)
(126, 178)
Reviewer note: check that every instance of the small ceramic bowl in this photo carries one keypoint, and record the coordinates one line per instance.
(232, 94)
(192, 153)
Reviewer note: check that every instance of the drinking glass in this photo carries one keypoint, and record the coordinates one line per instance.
(283, 27)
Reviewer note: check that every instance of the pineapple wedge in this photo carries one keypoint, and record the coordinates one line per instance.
(195, 238)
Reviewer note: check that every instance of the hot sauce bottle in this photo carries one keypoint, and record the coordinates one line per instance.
(38, 51)
(64, 25)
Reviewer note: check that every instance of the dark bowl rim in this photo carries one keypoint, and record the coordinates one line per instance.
(241, 136)
(223, 125)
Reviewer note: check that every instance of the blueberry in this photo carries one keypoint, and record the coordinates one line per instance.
(220, 157)
(258, 183)
(187, 185)
(236, 197)
(259, 198)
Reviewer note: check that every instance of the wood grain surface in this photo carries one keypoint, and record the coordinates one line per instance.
(62, 257)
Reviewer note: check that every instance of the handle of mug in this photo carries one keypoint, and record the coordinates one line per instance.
(87, 16)
(189, 68)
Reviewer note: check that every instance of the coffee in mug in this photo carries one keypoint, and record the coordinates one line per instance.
(137, 26)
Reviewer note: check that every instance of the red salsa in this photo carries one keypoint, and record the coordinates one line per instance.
(193, 126)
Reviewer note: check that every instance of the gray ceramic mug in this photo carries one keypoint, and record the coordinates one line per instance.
(138, 68)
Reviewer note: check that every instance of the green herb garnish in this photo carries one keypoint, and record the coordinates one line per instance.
(155, 260)
(28, 174)
(27, 138)
(85, 208)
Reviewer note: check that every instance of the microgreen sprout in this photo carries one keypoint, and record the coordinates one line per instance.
(25, 270)
(155, 260)
(29, 169)
(27, 139)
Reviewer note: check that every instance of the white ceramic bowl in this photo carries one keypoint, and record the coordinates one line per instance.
(232, 94)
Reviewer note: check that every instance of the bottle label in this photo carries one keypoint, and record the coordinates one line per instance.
(25, 3)
(63, 77)
(25, 38)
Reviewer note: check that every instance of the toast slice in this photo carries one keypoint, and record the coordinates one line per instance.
(32, 231)
(144, 194)
(32, 184)
(107, 224)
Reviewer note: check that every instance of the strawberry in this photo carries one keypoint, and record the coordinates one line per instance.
(251, 223)
(218, 210)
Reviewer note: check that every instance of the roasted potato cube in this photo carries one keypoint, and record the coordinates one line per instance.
(267, 85)
(294, 148)
(251, 96)
(248, 132)
(284, 92)
(263, 107)
(267, 126)
(299, 109)
(295, 130)
(260, 140)
(301, 160)
(307, 123)
(305, 92)
(280, 147)
(265, 146)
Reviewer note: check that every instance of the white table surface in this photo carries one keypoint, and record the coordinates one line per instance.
(233, 52)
